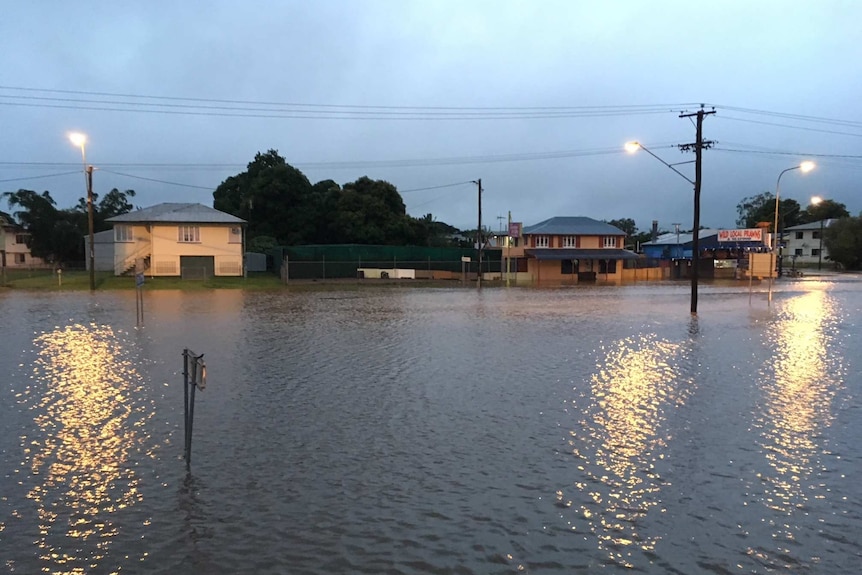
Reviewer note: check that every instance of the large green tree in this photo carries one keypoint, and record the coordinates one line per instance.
(843, 240)
(761, 208)
(273, 197)
(824, 210)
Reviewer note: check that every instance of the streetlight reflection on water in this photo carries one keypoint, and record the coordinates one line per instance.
(88, 425)
(634, 386)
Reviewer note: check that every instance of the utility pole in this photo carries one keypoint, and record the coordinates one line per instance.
(92, 254)
(479, 238)
(699, 145)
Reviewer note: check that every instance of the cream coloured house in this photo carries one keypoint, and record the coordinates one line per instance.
(172, 239)
(14, 252)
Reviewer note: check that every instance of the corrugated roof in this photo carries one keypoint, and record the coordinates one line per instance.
(670, 238)
(810, 225)
(177, 214)
(573, 225)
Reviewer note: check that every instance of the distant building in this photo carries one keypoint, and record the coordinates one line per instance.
(174, 239)
(569, 248)
(14, 252)
(803, 245)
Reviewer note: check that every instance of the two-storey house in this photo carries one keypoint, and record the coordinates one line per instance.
(172, 239)
(803, 244)
(570, 249)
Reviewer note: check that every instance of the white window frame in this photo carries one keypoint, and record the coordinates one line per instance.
(189, 234)
(609, 242)
(123, 234)
(543, 241)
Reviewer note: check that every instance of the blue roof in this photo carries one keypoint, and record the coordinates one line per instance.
(573, 225)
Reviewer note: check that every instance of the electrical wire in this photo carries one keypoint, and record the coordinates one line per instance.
(158, 181)
(39, 177)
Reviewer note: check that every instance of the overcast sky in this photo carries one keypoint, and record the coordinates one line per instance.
(541, 96)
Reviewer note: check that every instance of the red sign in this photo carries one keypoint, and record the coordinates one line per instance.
(515, 229)
(745, 235)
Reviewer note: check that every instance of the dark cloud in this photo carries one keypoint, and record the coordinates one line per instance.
(741, 56)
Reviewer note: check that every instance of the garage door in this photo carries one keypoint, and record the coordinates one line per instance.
(197, 267)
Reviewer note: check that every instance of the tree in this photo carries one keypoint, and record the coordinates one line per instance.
(114, 203)
(273, 197)
(54, 235)
(371, 212)
(625, 224)
(826, 209)
(843, 240)
(761, 208)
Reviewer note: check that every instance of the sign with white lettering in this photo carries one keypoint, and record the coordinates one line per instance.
(744, 235)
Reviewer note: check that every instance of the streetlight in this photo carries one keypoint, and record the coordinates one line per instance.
(816, 201)
(804, 167)
(632, 147)
(80, 140)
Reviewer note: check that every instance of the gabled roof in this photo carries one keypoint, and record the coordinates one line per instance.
(176, 214)
(810, 225)
(573, 225)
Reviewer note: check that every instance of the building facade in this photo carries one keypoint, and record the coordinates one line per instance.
(14, 252)
(568, 249)
(803, 245)
(172, 239)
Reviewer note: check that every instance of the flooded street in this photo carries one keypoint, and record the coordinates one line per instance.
(412, 430)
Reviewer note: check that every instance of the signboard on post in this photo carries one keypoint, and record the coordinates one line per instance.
(515, 229)
(744, 235)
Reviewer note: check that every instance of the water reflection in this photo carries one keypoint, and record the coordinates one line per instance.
(88, 425)
(620, 440)
(798, 400)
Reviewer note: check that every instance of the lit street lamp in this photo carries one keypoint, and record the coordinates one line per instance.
(80, 140)
(805, 167)
(632, 147)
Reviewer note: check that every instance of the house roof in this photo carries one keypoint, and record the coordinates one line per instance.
(178, 214)
(573, 225)
(810, 225)
(580, 254)
(672, 239)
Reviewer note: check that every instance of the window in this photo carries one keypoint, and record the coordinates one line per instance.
(570, 241)
(607, 267)
(815, 252)
(800, 235)
(815, 235)
(797, 252)
(190, 234)
(123, 234)
(568, 267)
(235, 236)
(609, 242)
(20, 238)
(20, 258)
(542, 241)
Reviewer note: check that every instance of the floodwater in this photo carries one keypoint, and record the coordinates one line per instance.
(410, 430)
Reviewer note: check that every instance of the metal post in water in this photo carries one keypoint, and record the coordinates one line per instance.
(198, 380)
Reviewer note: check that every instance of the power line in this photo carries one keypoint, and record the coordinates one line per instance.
(346, 106)
(158, 181)
(39, 177)
(790, 126)
(435, 187)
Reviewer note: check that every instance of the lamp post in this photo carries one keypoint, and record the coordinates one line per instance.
(816, 201)
(805, 167)
(80, 140)
(633, 147)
